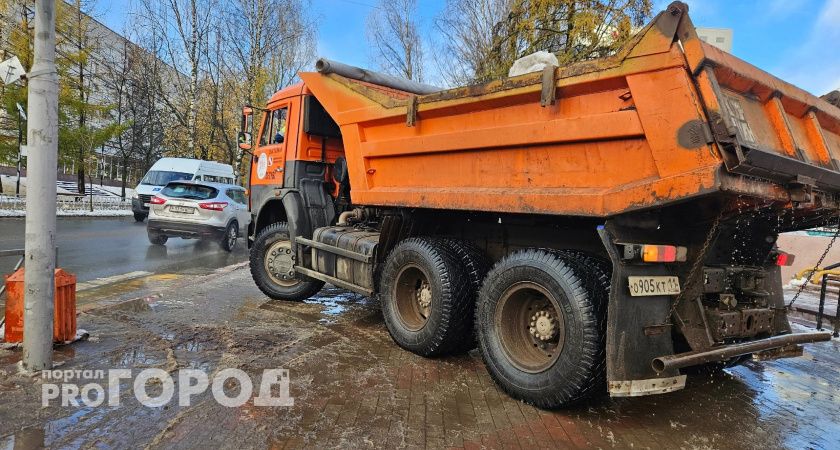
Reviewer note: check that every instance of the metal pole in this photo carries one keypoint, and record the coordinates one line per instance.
(42, 133)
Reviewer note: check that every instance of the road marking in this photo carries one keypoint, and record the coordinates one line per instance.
(110, 280)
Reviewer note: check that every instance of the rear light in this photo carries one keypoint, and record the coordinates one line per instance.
(655, 253)
(157, 200)
(214, 206)
(784, 259)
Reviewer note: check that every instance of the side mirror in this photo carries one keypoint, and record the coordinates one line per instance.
(244, 140)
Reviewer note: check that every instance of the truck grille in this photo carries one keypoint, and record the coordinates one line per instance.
(144, 199)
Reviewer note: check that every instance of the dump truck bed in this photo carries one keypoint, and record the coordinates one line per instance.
(667, 119)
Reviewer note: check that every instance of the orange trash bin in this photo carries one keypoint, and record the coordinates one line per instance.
(64, 319)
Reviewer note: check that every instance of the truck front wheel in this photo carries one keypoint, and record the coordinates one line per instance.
(426, 297)
(272, 266)
(539, 329)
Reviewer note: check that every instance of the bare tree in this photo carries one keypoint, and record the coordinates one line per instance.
(482, 38)
(394, 37)
(184, 27)
(277, 40)
(466, 29)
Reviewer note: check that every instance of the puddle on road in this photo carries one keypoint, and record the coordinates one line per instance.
(335, 301)
(137, 357)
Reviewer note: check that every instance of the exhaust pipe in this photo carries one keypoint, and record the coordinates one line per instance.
(670, 362)
(326, 66)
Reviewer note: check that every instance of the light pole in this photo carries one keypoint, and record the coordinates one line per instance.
(42, 140)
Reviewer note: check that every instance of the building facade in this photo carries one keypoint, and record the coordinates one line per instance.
(719, 37)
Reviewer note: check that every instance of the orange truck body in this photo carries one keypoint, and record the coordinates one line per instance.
(629, 132)
(669, 144)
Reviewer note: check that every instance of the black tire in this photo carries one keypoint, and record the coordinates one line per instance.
(476, 264)
(426, 269)
(296, 288)
(566, 363)
(228, 242)
(139, 217)
(157, 238)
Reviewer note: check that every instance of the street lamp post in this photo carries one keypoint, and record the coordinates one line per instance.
(42, 142)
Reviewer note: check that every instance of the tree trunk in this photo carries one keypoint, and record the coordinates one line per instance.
(81, 178)
(124, 174)
(192, 112)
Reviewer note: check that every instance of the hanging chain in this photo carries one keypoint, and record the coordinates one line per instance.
(816, 267)
(698, 262)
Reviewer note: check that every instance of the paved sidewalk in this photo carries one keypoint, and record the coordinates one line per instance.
(353, 387)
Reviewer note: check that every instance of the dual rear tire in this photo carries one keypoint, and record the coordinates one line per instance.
(427, 297)
(539, 314)
(541, 326)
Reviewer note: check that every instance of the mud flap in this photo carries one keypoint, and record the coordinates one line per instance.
(635, 331)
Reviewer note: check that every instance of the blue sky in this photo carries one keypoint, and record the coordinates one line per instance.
(796, 40)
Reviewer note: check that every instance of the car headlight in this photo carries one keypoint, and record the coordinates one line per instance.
(134, 196)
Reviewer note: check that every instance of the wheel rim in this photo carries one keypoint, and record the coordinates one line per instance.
(231, 237)
(531, 327)
(279, 263)
(413, 297)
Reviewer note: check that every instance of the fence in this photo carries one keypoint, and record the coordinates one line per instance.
(69, 203)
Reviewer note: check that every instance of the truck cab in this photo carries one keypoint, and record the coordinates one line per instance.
(294, 145)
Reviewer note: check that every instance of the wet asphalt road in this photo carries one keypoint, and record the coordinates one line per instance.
(354, 388)
(102, 247)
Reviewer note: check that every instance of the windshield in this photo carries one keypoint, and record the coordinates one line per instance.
(189, 191)
(162, 177)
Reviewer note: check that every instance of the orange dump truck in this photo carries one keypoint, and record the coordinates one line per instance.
(594, 227)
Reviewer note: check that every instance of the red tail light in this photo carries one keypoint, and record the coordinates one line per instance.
(663, 253)
(214, 206)
(157, 200)
(784, 259)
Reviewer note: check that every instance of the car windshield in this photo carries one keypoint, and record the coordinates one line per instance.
(162, 177)
(189, 191)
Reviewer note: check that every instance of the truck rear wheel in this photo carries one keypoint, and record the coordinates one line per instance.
(540, 327)
(476, 264)
(426, 297)
(272, 266)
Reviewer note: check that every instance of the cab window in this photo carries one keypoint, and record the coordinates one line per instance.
(274, 129)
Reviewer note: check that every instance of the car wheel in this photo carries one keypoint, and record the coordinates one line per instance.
(426, 297)
(157, 238)
(139, 217)
(540, 328)
(230, 237)
(272, 266)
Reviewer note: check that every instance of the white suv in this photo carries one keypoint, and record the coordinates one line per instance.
(198, 210)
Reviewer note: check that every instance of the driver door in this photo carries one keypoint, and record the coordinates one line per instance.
(270, 158)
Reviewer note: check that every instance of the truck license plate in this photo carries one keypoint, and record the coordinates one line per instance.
(650, 286)
(181, 209)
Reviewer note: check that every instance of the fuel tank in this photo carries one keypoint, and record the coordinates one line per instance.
(355, 267)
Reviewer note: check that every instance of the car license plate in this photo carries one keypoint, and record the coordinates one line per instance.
(650, 286)
(181, 209)
(145, 205)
